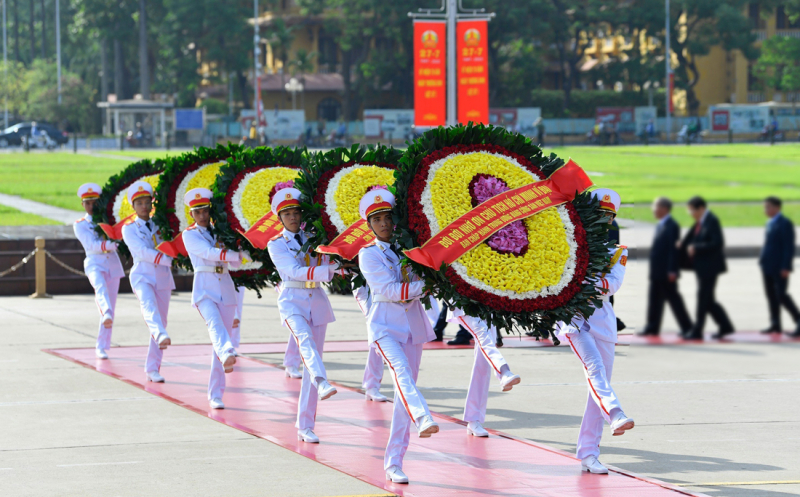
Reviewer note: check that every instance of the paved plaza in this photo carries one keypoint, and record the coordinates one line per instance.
(718, 419)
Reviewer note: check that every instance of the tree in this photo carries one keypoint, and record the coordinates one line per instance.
(41, 97)
(698, 25)
(779, 64)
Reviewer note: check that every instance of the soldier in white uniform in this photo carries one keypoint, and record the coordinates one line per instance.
(213, 293)
(398, 326)
(101, 265)
(303, 305)
(373, 371)
(488, 359)
(593, 342)
(151, 276)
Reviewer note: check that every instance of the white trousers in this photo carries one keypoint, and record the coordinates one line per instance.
(488, 359)
(403, 360)
(310, 342)
(291, 358)
(155, 307)
(219, 320)
(106, 289)
(373, 372)
(597, 357)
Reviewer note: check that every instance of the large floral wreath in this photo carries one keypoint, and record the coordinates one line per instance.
(113, 206)
(532, 273)
(243, 194)
(196, 169)
(333, 183)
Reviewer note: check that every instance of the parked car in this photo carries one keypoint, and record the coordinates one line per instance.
(13, 134)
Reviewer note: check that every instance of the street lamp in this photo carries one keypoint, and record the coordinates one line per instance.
(294, 86)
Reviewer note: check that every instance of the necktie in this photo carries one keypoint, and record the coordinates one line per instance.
(697, 228)
(298, 239)
(396, 250)
(147, 223)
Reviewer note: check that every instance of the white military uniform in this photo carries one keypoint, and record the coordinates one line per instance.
(101, 265)
(303, 305)
(593, 342)
(213, 292)
(488, 360)
(236, 332)
(399, 327)
(373, 371)
(151, 279)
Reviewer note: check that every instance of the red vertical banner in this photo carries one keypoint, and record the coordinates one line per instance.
(473, 71)
(430, 76)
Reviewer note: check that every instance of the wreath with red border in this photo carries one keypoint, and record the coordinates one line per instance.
(535, 315)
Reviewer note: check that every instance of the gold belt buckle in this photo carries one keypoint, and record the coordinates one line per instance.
(311, 284)
(218, 269)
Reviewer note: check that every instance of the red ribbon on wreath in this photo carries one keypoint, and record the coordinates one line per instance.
(477, 225)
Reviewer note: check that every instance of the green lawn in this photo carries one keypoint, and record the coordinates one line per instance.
(54, 178)
(717, 172)
(13, 217)
(720, 173)
(731, 215)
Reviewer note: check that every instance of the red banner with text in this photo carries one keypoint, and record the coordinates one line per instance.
(473, 71)
(263, 231)
(474, 227)
(430, 76)
(353, 239)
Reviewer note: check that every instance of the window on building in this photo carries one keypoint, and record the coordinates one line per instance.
(328, 51)
(754, 14)
(753, 83)
(329, 109)
(782, 21)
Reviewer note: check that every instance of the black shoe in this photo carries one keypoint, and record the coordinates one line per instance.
(620, 325)
(499, 341)
(438, 339)
(771, 329)
(722, 334)
(795, 333)
(460, 341)
(693, 335)
(647, 332)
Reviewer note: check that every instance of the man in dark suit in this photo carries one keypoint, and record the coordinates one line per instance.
(776, 265)
(703, 246)
(664, 272)
(613, 237)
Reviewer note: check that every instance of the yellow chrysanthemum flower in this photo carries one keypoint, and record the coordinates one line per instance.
(354, 185)
(255, 198)
(548, 250)
(204, 178)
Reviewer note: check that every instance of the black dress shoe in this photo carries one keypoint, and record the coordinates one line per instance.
(693, 335)
(647, 332)
(795, 333)
(771, 329)
(459, 341)
(620, 325)
(499, 343)
(722, 334)
(438, 339)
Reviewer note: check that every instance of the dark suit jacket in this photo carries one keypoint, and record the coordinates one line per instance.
(709, 258)
(664, 253)
(778, 250)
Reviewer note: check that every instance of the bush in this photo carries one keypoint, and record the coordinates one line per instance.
(585, 103)
(214, 106)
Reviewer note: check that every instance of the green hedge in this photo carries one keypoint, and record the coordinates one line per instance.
(584, 103)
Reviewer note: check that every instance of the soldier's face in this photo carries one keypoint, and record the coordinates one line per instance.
(290, 218)
(382, 225)
(88, 205)
(202, 216)
(142, 206)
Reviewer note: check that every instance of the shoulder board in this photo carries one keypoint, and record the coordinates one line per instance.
(81, 219)
(192, 227)
(623, 247)
(279, 235)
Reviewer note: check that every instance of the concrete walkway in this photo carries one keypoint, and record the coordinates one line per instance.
(65, 216)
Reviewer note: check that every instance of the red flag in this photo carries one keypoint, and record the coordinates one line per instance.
(115, 232)
(473, 71)
(263, 231)
(174, 247)
(429, 73)
(353, 239)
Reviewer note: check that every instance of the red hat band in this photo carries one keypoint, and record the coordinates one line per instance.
(286, 204)
(377, 207)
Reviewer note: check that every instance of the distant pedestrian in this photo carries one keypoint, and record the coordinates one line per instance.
(539, 124)
(703, 247)
(613, 237)
(776, 265)
(664, 272)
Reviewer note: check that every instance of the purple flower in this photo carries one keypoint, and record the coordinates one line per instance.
(284, 184)
(511, 239)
